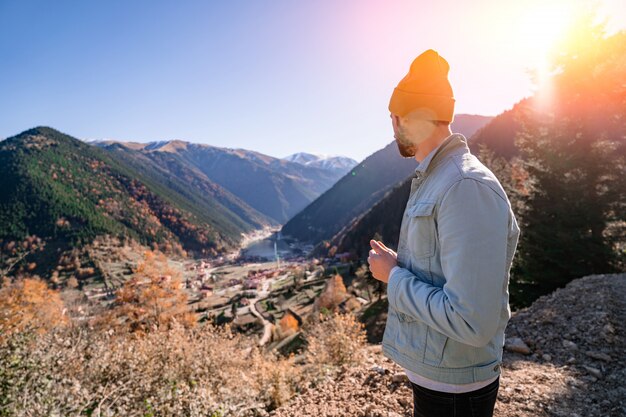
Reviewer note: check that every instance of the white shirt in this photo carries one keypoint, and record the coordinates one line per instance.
(443, 387)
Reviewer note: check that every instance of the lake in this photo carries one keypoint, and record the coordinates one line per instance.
(264, 248)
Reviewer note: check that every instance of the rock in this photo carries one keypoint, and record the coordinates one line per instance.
(376, 348)
(589, 378)
(568, 344)
(593, 371)
(576, 383)
(378, 369)
(515, 344)
(404, 402)
(400, 378)
(373, 411)
(546, 357)
(608, 328)
(599, 355)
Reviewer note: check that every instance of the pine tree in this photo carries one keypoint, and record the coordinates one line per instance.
(574, 149)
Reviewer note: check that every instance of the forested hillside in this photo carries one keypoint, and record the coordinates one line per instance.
(274, 187)
(59, 189)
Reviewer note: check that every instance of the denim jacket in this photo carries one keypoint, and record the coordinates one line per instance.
(448, 297)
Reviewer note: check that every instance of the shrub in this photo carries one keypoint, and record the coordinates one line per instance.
(334, 340)
(28, 304)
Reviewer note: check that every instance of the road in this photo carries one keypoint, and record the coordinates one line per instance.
(267, 325)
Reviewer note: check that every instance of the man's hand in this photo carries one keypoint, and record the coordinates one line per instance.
(381, 260)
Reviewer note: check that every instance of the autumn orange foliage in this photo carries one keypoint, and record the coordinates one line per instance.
(288, 324)
(28, 304)
(334, 293)
(152, 298)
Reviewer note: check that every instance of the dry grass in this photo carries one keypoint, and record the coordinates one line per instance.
(170, 371)
(178, 371)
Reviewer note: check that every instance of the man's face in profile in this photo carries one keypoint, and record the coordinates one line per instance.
(405, 147)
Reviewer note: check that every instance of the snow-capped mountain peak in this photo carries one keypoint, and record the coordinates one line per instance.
(330, 162)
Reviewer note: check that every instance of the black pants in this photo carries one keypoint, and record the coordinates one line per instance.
(478, 403)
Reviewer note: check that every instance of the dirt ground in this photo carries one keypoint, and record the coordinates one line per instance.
(568, 360)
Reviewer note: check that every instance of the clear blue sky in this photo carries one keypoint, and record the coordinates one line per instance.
(273, 76)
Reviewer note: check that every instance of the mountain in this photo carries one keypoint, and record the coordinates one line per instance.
(274, 187)
(339, 164)
(499, 134)
(469, 124)
(68, 192)
(361, 188)
(187, 179)
(382, 220)
(350, 196)
(303, 158)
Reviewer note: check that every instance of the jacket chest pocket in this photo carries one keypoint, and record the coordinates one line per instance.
(421, 229)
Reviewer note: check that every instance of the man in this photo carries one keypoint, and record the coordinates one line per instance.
(448, 282)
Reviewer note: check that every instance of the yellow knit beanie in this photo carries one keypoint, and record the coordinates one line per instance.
(425, 88)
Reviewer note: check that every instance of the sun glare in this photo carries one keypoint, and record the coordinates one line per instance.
(541, 27)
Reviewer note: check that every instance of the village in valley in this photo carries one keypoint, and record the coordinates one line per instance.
(270, 294)
(266, 289)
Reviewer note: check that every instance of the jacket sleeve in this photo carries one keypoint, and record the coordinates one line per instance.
(473, 229)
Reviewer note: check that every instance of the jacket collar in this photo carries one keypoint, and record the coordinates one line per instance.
(452, 145)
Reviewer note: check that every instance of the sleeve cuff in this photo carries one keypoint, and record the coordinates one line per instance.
(393, 269)
(392, 284)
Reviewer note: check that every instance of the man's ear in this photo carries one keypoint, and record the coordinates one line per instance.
(396, 119)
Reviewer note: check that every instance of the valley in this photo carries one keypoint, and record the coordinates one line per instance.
(248, 288)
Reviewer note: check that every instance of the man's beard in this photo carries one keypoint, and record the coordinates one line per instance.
(406, 148)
